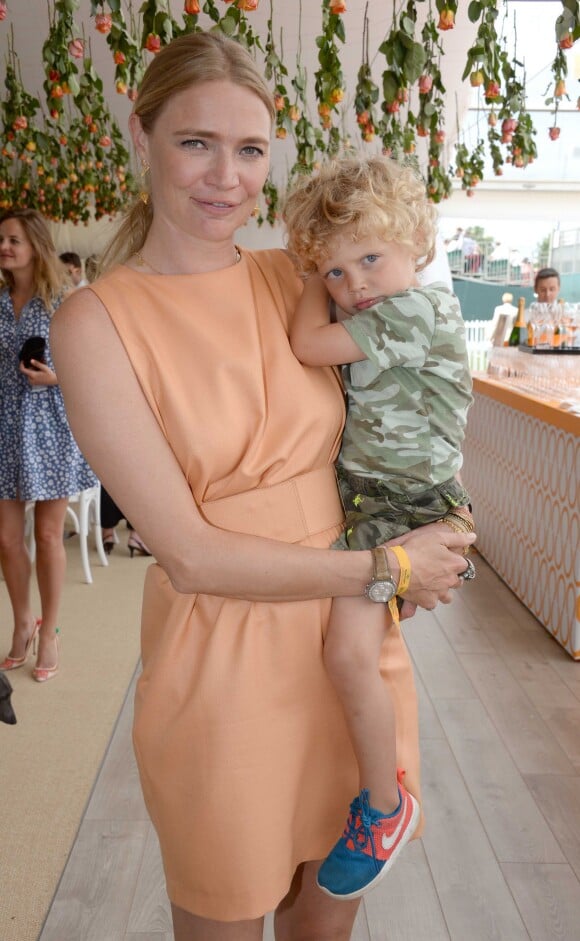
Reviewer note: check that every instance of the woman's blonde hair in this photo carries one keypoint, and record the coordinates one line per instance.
(185, 62)
(368, 196)
(49, 274)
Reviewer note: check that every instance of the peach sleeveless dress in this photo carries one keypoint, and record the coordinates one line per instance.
(244, 758)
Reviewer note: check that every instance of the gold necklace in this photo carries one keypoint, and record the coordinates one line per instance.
(143, 263)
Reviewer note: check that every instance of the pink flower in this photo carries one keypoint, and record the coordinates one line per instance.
(337, 6)
(425, 84)
(3, 10)
(76, 48)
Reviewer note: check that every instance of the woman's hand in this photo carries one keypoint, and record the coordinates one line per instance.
(39, 374)
(437, 559)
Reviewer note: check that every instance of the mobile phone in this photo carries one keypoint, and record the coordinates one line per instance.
(32, 348)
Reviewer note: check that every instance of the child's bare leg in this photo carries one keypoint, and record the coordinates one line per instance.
(351, 654)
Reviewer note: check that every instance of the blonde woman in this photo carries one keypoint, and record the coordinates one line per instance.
(219, 447)
(40, 460)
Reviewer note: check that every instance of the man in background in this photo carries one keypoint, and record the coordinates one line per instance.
(72, 263)
(547, 285)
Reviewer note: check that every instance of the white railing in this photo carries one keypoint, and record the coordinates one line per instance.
(477, 344)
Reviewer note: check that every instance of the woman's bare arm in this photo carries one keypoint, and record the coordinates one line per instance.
(121, 438)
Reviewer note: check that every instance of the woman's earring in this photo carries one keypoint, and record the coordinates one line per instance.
(144, 194)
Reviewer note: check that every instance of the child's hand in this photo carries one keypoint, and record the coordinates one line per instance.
(437, 561)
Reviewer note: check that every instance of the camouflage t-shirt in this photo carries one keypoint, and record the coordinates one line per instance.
(408, 400)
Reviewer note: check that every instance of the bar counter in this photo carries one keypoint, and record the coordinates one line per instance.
(522, 468)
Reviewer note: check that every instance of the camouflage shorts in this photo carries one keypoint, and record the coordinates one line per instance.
(375, 514)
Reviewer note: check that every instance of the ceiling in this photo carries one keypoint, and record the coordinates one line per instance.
(29, 20)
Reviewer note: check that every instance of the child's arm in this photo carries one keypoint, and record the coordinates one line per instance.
(314, 340)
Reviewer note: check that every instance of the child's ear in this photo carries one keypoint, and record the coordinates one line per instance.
(424, 246)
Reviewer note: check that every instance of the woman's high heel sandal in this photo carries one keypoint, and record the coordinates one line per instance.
(110, 540)
(13, 663)
(136, 544)
(42, 674)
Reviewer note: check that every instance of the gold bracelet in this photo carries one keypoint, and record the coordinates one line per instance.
(404, 568)
(458, 522)
(456, 529)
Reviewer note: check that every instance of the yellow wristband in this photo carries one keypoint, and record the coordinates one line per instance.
(404, 568)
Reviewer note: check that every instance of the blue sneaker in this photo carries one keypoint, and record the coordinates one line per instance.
(369, 846)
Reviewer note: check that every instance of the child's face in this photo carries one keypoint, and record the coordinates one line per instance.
(360, 274)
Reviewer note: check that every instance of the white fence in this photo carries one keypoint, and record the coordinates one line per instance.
(477, 344)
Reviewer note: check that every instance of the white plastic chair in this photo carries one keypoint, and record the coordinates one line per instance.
(89, 516)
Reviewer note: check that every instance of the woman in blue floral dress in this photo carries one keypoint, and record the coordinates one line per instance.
(40, 459)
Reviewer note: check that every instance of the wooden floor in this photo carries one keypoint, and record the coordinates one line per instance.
(500, 858)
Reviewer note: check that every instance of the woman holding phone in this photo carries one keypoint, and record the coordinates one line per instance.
(40, 458)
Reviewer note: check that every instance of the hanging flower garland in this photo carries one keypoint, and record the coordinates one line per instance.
(431, 116)
(308, 139)
(70, 159)
(367, 91)
(123, 40)
(328, 78)
(405, 58)
(18, 181)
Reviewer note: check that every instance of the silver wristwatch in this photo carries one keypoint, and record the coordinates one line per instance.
(381, 588)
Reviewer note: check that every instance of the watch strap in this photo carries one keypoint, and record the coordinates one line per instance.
(381, 570)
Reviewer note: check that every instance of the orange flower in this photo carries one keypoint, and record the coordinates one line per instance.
(336, 95)
(191, 7)
(294, 113)
(560, 88)
(279, 102)
(337, 6)
(103, 23)
(247, 5)
(20, 123)
(153, 43)
(567, 42)
(492, 90)
(105, 141)
(281, 133)
(121, 87)
(446, 19)
(118, 58)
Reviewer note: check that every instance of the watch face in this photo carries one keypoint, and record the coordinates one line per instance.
(381, 591)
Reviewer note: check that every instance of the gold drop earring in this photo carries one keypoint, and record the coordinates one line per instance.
(144, 194)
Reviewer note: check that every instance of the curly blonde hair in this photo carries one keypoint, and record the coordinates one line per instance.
(368, 196)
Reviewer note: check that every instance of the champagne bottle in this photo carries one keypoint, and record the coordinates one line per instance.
(519, 332)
